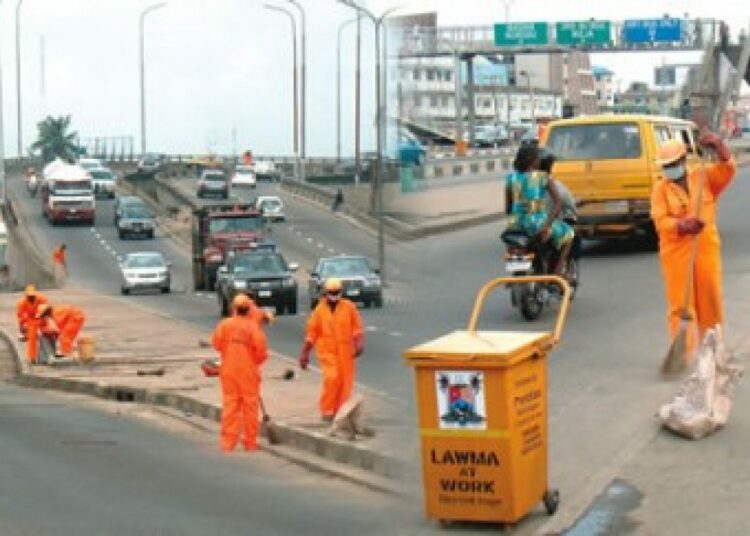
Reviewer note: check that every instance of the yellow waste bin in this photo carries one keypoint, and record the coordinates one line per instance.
(482, 402)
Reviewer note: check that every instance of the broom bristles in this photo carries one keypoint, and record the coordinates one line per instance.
(675, 362)
(271, 433)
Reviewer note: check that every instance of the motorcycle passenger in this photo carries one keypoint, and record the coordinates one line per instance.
(526, 193)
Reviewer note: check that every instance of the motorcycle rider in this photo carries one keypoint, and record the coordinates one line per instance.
(526, 192)
(32, 181)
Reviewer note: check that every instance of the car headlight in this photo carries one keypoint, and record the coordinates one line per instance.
(289, 283)
(240, 284)
(214, 257)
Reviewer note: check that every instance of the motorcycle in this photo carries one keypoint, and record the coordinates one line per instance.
(32, 185)
(529, 255)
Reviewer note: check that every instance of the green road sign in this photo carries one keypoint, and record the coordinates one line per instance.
(521, 33)
(590, 32)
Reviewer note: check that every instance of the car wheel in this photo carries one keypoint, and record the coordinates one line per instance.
(166, 290)
(378, 301)
(150, 235)
(224, 307)
(292, 308)
(125, 291)
(120, 234)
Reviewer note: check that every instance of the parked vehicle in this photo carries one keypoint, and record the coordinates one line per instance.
(124, 201)
(265, 170)
(244, 176)
(67, 194)
(146, 270)
(490, 136)
(135, 221)
(104, 182)
(213, 182)
(262, 273)
(214, 228)
(150, 163)
(360, 280)
(271, 207)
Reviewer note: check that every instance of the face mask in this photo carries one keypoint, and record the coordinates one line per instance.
(674, 173)
(333, 298)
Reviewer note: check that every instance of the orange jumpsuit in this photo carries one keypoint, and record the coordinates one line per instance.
(68, 321)
(243, 350)
(26, 310)
(334, 333)
(669, 203)
(58, 256)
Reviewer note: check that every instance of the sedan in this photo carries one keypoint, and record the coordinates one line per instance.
(360, 280)
(147, 270)
(244, 176)
(271, 207)
(213, 183)
(135, 221)
(124, 201)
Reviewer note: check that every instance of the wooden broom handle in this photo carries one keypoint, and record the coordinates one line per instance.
(694, 241)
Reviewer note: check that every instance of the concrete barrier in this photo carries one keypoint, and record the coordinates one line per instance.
(458, 167)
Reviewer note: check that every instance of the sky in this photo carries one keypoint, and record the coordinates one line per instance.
(221, 69)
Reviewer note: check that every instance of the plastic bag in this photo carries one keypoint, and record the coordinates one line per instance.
(703, 403)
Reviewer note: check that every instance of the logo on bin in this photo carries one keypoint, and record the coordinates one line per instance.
(460, 398)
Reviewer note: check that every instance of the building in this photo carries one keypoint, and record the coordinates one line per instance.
(640, 98)
(604, 84)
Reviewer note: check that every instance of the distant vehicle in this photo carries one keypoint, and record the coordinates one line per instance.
(135, 220)
(201, 163)
(124, 201)
(490, 136)
(361, 281)
(262, 274)
(91, 163)
(271, 207)
(104, 182)
(265, 170)
(145, 270)
(410, 150)
(214, 228)
(151, 163)
(244, 176)
(67, 193)
(213, 182)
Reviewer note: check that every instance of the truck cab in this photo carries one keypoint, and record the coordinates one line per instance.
(67, 194)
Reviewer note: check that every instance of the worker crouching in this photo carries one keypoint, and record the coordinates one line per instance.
(335, 330)
(243, 349)
(26, 309)
(62, 323)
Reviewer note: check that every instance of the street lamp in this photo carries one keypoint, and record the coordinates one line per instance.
(303, 85)
(2, 137)
(507, 4)
(531, 94)
(295, 103)
(18, 79)
(342, 26)
(142, 19)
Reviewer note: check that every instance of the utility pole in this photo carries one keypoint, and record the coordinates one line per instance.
(3, 197)
(303, 88)
(358, 104)
(18, 80)
(342, 26)
(142, 20)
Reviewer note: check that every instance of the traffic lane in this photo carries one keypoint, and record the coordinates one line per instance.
(94, 472)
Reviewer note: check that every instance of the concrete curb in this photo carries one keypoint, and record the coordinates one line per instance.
(360, 466)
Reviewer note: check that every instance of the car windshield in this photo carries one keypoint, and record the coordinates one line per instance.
(345, 266)
(270, 263)
(271, 203)
(145, 261)
(136, 212)
(595, 142)
(243, 171)
(215, 177)
(102, 175)
(89, 165)
(235, 225)
(62, 186)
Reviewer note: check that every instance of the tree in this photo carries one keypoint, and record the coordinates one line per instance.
(54, 140)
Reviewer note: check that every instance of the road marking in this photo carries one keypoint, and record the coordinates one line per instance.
(396, 334)
(298, 232)
(92, 229)
(102, 241)
(320, 245)
(371, 328)
(309, 240)
(331, 251)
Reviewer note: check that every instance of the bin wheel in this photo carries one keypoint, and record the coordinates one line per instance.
(551, 500)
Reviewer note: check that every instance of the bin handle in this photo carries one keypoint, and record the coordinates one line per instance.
(492, 284)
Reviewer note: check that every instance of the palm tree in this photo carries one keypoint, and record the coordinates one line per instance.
(54, 140)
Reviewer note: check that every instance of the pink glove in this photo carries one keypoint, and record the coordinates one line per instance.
(304, 356)
(711, 139)
(689, 226)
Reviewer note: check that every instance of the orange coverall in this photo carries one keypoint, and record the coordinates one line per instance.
(68, 321)
(334, 333)
(669, 203)
(243, 350)
(58, 256)
(26, 310)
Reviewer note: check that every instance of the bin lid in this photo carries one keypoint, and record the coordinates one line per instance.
(499, 348)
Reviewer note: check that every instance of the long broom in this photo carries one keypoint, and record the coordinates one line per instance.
(271, 432)
(676, 359)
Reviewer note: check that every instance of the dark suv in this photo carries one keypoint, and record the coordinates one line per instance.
(360, 280)
(261, 273)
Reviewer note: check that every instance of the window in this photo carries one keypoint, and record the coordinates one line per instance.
(444, 101)
(434, 101)
(662, 134)
(684, 135)
(417, 74)
(448, 76)
(418, 101)
(430, 74)
(596, 142)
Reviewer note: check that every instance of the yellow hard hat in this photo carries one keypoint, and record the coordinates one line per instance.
(43, 310)
(671, 152)
(333, 284)
(30, 291)
(241, 300)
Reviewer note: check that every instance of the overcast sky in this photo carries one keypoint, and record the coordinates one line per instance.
(218, 65)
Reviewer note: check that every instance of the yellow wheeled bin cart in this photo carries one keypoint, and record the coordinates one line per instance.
(482, 399)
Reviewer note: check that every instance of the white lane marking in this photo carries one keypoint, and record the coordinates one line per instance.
(396, 334)
(309, 240)
(331, 251)
(102, 241)
(92, 229)
(115, 255)
(298, 232)
(320, 246)
(371, 328)
(108, 247)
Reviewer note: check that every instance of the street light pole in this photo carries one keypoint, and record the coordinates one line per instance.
(142, 19)
(3, 198)
(18, 79)
(303, 85)
(295, 97)
(358, 104)
(531, 94)
(342, 26)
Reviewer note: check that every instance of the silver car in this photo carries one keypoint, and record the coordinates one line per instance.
(104, 182)
(147, 270)
(271, 207)
(135, 221)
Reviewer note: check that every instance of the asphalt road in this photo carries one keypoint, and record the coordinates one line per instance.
(71, 469)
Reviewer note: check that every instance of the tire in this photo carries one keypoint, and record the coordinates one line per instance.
(210, 282)
(291, 309)
(125, 291)
(224, 307)
(530, 307)
(378, 301)
(150, 235)
(551, 501)
(166, 290)
(120, 234)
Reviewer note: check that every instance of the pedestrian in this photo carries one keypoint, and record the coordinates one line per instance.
(60, 262)
(338, 200)
(677, 219)
(261, 317)
(26, 309)
(335, 330)
(63, 323)
(243, 350)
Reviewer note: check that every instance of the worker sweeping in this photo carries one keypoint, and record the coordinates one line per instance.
(243, 350)
(59, 261)
(692, 279)
(26, 309)
(335, 330)
(63, 322)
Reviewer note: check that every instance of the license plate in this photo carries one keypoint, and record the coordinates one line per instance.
(352, 292)
(73, 211)
(513, 266)
(264, 293)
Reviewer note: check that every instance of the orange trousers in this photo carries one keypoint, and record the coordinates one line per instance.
(338, 381)
(239, 409)
(705, 300)
(32, 339)
(69, 330)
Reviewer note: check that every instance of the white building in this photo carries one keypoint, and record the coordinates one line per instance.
(604, 81)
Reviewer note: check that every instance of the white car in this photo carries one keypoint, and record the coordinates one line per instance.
(244, 176)
(265, 170)
(91, 163)
(271, 207)
(145, 270)
(104, 181)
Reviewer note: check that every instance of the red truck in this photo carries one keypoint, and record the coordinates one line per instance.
(214, 228)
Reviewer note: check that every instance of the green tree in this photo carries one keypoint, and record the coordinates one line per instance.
(54, 140)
